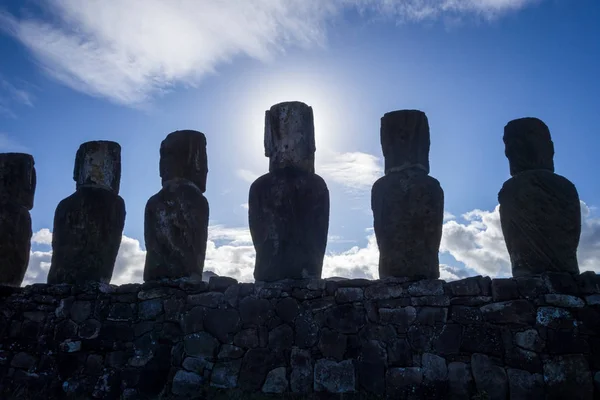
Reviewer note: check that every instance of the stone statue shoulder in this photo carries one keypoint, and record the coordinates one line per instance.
(536, 183)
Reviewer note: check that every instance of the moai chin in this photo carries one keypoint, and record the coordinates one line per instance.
(289, 206)
(540, 212)
(17, 190)
(176, 218)
(407, 203)
(88, 225)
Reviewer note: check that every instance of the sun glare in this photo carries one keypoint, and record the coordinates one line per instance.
(321, 95)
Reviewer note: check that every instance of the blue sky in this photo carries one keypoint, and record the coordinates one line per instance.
(73, 71)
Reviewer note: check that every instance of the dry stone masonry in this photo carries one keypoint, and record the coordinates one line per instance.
(407, 203)
(176, 218)
(477, 338)
(17, 189)
(539, 210)
(88, 225)
(289, 206)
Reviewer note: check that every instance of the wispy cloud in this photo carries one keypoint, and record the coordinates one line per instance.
(247, 175)
(9, 144)
(130, 51)
(12, 96)
(355, 170)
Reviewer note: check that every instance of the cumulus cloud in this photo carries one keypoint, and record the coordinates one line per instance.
(43, 236)
(477, 243)
(130, 51)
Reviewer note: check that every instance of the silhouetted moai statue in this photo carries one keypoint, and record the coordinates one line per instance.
(540, 211)
(407, 203)
(176, 218)
(17, 189)
(88, 225)
(289, 206)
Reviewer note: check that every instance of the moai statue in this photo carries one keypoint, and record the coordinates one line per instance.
(407, 203)
(176, 218)
(289, 206)
(540, 211)
(88, 225)
(17, 189)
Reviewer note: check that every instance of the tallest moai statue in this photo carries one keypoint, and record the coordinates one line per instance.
(17, 189)
(539, 210)
(407, 203)
(289, 206)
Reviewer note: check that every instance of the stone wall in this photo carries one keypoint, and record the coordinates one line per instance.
(477, 338)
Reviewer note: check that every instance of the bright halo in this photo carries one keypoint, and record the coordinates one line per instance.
(321, 96)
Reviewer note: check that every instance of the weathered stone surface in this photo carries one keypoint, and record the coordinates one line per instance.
(524, 385)
(186, 383)
(404, 383)
(176, 218)
(88, 225)
(460, 381)
(17, 189)
(504, 289)
(539, 210)
(529, 340)
(489, 378)
(201, 344)
(519, 312)
(276, 381)
(17, 179)
(302, 371)
(222, 324)
(568, 377)
(407, 204)
(465, 287)
(564, 300)
(289, 206)
(334, 377)
(96, 337)
(332, 344)
(225, 374)
(349, 295)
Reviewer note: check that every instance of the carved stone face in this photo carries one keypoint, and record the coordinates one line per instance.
(98, 163)
(17, 179)
(183, 155)
(405, 140)
(528, 145)
(290, 136)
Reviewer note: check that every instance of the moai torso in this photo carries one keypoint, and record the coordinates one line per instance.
(17, 189)
(176, 218)
(540, 211)
(407, 204)
(289, 206)
(88, 225)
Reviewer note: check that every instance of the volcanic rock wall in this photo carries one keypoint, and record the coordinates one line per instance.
(531, 337)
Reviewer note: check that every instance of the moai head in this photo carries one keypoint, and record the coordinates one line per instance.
(290, 136)
(405, 140)
(98, 164)
(17, 179)
(528, 145)
(183, 155)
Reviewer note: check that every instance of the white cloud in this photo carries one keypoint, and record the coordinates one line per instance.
(11, 95)
(247, 175)
(130, 51)
(448, 216)
(479, 242)
(43, 236)
(355, 170)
